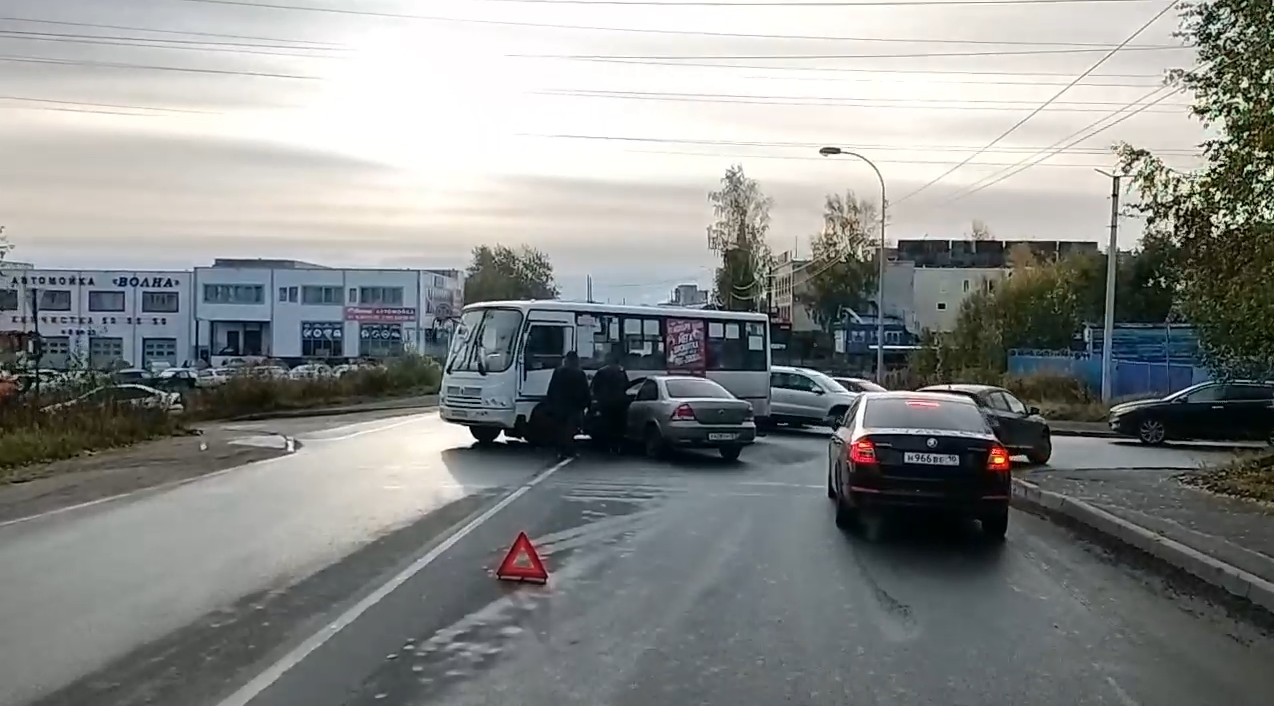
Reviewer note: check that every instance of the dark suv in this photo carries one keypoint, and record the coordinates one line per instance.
(1231, 411)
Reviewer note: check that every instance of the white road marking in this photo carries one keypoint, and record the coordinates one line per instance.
(413, 419)
(265, 679)
(1123, 696)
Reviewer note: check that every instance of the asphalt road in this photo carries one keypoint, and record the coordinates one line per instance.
(690, 582)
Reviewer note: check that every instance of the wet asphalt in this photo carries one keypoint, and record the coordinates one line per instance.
(694, 581)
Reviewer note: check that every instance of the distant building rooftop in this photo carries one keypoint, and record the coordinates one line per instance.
(266, 264)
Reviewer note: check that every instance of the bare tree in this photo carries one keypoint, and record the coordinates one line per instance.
(978, 231)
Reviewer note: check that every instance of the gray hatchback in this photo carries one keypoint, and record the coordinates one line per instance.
(675, 411)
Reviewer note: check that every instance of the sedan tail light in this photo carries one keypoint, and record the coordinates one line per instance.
(998, 460)
(862, 451)
(683, 413)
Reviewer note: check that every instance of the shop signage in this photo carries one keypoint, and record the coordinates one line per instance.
(686, 345)
(149, 282)
(42, 280)
(329, 331)
(380, 332)
(91, 320)
(399, 314)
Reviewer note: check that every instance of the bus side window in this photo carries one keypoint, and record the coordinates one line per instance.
(643, 343)
(545, 346)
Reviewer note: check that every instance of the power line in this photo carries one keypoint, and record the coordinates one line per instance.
(1046, 103)
(735, 155)
(783, 3)
(27, 99)
(814, 145)
(839, 102)
(674, 32)
(152, 67)
(147, 43)
(1091, 129)
(824, 57)
(134, 28)
(844, 69)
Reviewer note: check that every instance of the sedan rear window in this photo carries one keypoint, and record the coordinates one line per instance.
(681, 389)
(923, 413)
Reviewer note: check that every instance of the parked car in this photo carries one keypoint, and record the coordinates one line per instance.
(919, 450)
(858, 385)
(675, 411)
(310, 371)
(129, 393)
(800, 396)
(1231, 411)
(186, 379)
(1020, 428)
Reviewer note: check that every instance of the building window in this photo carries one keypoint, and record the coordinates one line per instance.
(287, 295)
(966, 285)
(160, 302)
(380, 340)
(390, 296)
(322, 339)
(55, 300)
(234, 294)
(942, 306)
(353, 295)
(321, 295)
(105, 353)
(159, 350)
(105, 301)
(8, 300)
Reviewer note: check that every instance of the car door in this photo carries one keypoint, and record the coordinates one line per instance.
(1025, 429)
(1007, 425)
(542, 351)
(1249, 411)
(806, 397)
(780, 395)
(645, 404)
(1198, 415)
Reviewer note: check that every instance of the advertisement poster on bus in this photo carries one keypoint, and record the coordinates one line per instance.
(686, 346)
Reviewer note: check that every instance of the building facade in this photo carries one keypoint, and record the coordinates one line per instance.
(280, 309)
(788, 281)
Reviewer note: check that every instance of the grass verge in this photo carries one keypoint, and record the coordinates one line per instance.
(32, 436)
(1250, 477)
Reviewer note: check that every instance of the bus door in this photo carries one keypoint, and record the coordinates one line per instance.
(546, 342)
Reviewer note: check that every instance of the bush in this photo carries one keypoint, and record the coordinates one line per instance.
(409, 375)
(1250, 476)
(31, 435)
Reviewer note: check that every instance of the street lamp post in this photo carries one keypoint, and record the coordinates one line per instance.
(880, 281)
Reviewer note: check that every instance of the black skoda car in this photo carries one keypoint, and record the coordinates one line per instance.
(919, 450)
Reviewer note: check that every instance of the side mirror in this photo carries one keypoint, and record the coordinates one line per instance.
(1033, 410)
(819, 391)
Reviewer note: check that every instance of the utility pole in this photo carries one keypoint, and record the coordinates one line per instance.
(1112, 256)
(590, 289)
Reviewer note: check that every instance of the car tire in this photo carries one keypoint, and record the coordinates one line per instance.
(831, 487)
(730, 453)
(485, 435)
(1041, 452)
(1151, 432)
(846, 516)
(653, 443)
(995, 525)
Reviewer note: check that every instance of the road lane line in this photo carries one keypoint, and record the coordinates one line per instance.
(246, 693)
(414, 418)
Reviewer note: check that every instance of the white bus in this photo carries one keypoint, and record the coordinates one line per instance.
(504, 353)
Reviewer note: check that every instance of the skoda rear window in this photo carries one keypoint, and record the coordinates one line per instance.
(922, 413)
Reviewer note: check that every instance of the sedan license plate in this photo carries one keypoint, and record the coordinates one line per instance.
(460, 413)
(722, 437)
(928, 459)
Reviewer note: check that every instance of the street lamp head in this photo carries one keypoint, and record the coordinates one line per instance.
(829, 151)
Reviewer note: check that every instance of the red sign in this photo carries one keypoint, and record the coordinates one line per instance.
(686, 345)
(522, 563)
(380, 314)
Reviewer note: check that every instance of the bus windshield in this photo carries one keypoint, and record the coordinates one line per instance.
(485, 341)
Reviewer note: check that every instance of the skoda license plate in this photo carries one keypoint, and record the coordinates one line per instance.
(722, 437)
(928, 459)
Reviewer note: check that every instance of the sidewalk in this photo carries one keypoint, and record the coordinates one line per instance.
(1224, 541)
(1062, 427)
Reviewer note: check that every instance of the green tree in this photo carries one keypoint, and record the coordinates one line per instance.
(500, 272)
(738, 233)
(843, 270)
(1221, 217)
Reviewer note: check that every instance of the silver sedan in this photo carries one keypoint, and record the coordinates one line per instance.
(671, 411)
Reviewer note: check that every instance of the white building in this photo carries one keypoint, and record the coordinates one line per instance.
(233, 309)
(100, 318)
(938, 292)
(296, 310)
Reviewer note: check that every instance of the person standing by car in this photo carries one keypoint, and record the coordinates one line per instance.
(609, 385)
(567, 398)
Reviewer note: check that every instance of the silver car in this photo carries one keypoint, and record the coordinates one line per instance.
(800, 396)
(674, 411)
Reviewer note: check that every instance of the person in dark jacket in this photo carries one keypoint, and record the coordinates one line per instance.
(567, 398)
(609, 385)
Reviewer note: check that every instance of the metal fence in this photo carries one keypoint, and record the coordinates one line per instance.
(1129, 378)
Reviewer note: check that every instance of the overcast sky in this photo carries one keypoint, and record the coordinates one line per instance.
(353, 139)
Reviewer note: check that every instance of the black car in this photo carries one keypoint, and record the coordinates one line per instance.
(1232, 411)
(1018, 427)
(917, 450)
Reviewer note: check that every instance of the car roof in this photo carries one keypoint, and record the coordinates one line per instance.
(967, 388)
(665, 377)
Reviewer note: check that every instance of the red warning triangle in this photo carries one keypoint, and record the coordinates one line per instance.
(522, 563)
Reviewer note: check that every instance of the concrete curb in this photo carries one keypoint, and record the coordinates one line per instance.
(331, 411)
(1218, 573)
(1092, 433)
